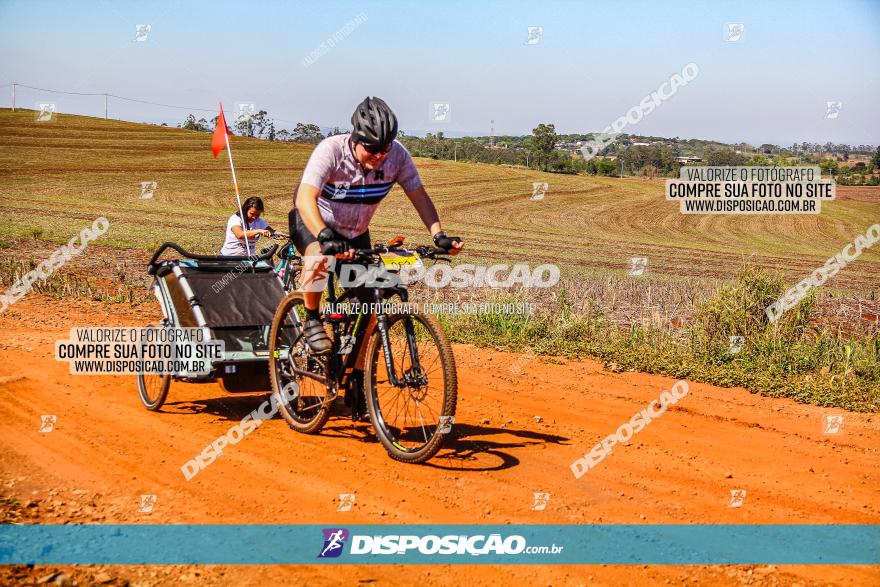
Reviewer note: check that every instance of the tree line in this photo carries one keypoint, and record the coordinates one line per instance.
(540, 150)
(260, 125)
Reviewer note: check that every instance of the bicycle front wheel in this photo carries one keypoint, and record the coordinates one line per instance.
(413, 418)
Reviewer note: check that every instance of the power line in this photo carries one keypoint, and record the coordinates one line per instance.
(57, 91)
(158, 104)
(137, 100)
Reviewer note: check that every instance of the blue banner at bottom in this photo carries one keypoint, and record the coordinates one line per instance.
(710, 544)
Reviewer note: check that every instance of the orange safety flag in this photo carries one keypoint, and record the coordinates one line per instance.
(218, 139)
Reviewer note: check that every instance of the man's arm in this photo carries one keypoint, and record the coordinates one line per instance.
(307, 205)
(428, 213)
(317, 171)
(425, 207)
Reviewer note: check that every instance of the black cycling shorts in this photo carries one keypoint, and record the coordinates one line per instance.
(302, 237)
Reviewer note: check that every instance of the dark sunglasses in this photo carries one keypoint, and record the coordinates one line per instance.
(377, 150)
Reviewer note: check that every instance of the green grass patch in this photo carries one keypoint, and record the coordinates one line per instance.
(63, 284)
(788, 359)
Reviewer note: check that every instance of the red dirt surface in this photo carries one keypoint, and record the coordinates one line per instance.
(516, 435)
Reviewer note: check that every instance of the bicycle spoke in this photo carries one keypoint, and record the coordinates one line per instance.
(433, 415)
(408, 416)
(313, 401)
(425, 434)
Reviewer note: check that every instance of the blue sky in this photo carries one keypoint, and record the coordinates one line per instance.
(594, 61)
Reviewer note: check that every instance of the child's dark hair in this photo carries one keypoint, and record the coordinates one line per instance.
(252, 202)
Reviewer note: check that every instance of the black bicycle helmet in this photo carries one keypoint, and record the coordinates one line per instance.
(374, 123)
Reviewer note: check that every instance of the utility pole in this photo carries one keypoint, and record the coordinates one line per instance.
(527, 158)
(455, 150)
(13, 96)
(492, 133)
(105, 106)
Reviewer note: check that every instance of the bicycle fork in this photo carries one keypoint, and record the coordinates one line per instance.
(413, 375)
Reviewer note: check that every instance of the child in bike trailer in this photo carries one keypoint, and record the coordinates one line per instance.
(345, 179)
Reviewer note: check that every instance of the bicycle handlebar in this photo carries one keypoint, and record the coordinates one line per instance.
(378, 249)
(154, 266)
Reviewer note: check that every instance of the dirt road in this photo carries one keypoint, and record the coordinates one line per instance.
(516, 435)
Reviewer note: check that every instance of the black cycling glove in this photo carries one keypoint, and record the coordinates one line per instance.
(441, 241)
(330, 245)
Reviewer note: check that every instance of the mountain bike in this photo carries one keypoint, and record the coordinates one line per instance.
(289, 266)
(409, 383)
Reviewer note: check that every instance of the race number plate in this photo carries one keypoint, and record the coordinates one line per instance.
(397, 260)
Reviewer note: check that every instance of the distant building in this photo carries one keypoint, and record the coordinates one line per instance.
(689, 159)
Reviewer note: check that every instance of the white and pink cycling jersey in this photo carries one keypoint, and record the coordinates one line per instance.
(349, 193)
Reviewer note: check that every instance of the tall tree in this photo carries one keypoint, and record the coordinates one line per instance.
(307, 133)
(192, 124)
(727, 157)
(259, 124)
(828, 166)
(544, 141)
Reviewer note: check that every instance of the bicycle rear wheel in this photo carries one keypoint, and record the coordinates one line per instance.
(293, 368)
(414, 419)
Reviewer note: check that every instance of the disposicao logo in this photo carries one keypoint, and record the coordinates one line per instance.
(334, 541)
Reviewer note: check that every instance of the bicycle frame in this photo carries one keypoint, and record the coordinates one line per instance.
(340, 369)
(361, 321)
(340, 365)
(286, 266)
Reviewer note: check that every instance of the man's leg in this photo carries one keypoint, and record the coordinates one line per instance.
(312, 287)
(364, 296)
(312, 266)
(356, 386)
(362, 353)
(358, 399)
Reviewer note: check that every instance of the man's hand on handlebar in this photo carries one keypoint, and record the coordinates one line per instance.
(330, 245)
(451, 244)
(339, 249)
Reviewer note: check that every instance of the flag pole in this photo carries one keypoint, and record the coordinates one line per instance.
(235, 185)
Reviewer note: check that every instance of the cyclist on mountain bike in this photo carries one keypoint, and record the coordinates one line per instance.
(343, 182)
